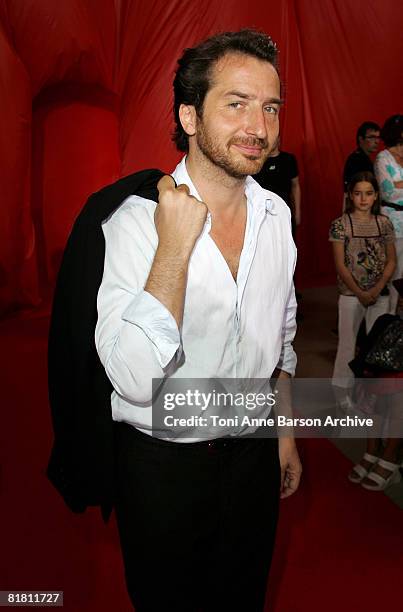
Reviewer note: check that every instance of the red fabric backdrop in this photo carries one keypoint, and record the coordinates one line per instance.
(86, 96)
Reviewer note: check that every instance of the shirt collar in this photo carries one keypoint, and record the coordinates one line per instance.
(181, 177)
(258, 198)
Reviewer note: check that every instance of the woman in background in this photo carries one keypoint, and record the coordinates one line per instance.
(389, 173)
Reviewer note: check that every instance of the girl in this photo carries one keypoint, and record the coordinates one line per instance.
(365, 259)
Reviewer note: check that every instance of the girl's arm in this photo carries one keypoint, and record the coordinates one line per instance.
(365, 297)
(388, 271)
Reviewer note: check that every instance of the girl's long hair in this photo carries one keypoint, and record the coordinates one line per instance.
(360, 177)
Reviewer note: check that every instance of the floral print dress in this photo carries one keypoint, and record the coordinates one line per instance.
(387, 172)
(364, 248)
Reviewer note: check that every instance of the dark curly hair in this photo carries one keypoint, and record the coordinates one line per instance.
(193, 76)
(392, 131)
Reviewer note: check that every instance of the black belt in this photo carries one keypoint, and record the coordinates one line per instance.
(394, 206)
(210, 446)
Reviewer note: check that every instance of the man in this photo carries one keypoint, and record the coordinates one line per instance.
(201, 287)
(367, 138)
(280, 175)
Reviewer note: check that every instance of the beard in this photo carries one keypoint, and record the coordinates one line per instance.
(220, 154)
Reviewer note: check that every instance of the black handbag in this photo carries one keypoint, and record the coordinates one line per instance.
(387, 351)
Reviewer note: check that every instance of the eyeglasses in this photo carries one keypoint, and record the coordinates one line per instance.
(372, 137)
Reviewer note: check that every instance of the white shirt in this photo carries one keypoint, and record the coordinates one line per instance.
(241, 329)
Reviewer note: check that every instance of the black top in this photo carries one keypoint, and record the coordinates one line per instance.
(357, 161)
(277, 174)
(81, 465)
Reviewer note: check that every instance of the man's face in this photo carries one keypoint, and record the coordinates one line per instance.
(240, 120)
(370, 143)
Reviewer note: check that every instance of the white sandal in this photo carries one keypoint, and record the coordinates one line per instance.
(359, 472)
(380, 483)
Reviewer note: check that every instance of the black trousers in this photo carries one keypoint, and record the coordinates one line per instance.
(196, 521)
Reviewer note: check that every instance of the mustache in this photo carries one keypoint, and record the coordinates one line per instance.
(262, 143)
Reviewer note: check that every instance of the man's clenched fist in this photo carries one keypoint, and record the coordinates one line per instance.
(179, 217)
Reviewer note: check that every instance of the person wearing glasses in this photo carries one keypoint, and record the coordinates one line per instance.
(367, 138)
(389, 173)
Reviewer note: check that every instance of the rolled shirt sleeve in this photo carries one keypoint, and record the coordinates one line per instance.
(288, 357)
(136, 337)
(157, 323)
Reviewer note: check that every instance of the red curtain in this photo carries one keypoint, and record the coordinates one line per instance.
(86, 96)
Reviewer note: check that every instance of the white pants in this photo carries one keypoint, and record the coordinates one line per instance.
(351, 313)
(398, 273)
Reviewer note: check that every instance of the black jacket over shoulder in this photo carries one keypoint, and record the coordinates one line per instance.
(81, 465)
